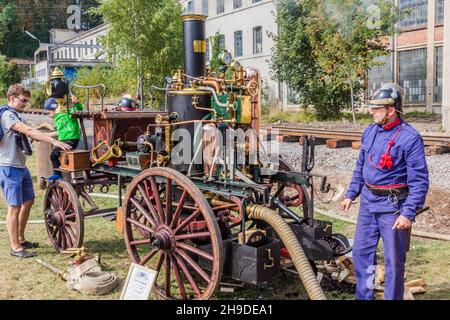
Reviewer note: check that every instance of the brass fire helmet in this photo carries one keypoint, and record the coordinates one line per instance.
(58, 88)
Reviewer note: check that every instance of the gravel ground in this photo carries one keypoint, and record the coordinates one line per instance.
(338, 165)
(344, 161)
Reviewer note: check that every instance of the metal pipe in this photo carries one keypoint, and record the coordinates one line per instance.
(243, 177)
(199, 148)
(220, 104)
(288, 211)
(52, 268)
(151, 150)
(209, 83)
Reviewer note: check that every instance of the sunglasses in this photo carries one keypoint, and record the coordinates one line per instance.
(23, 100)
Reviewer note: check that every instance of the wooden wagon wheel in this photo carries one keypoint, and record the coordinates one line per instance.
(182, 241)
(296, 195)
(64, 218)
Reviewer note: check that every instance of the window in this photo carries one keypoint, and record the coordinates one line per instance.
(237, 4)
(205, 9)
(440, 11)
(238, 44)
(190, 7)
(207, 50)
(418, 13)
(412, 74)
(257, 40)
(220, 6)
(379, 74)
(438, 75)
(256, 1)
(222, 42)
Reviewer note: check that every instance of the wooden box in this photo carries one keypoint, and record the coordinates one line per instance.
(75, 160)
(138, 160)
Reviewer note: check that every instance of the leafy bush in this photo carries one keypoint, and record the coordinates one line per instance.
(37, 99)
(116, 81)
(289, 116)
(9, 74)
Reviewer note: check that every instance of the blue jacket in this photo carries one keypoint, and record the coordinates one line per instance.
(409, 168)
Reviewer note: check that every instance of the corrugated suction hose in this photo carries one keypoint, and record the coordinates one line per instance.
(289, 239)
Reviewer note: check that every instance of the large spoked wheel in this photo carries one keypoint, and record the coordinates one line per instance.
(64, 218)
(296, 195)
(170, 227)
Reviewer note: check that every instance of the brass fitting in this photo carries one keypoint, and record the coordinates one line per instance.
(178, 80)
(168, 130)
(162, 160)
(76, 253)
(195, 101)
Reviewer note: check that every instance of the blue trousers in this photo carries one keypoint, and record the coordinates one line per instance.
(370, 227)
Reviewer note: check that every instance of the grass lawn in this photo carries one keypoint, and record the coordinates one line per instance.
(26, 279)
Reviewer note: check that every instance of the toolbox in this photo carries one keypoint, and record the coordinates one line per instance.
(138, 160)
(75, 160)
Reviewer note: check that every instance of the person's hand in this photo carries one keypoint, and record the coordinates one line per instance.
(74, 100)
(62, 145)
(346, 204)
(402, 222)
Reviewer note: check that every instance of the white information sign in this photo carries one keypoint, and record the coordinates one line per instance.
(139, 283)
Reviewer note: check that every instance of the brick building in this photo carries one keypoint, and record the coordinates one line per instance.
(416, 60)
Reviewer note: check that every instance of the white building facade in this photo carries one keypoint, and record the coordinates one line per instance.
(245, 26)
(62, 51)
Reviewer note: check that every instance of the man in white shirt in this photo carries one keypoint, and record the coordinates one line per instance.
(15, 178)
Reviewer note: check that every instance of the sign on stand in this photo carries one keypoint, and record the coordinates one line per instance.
(139, 283)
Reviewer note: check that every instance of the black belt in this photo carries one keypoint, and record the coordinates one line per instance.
(398, 191)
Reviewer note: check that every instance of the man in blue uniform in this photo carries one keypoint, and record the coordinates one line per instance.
(391, 178)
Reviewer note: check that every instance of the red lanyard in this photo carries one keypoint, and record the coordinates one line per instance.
(386, 159)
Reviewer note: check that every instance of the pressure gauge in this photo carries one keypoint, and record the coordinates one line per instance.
(225, 58)
(235, 65)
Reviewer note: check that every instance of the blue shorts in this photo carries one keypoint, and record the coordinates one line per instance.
(17, 185)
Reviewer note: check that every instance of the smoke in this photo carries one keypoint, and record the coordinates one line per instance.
(346, 13)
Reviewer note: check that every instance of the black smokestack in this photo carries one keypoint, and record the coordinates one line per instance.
(194, 45)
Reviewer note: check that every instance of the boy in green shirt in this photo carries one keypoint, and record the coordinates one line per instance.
(68, 131)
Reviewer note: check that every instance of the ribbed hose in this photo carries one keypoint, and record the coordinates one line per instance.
(289, 239)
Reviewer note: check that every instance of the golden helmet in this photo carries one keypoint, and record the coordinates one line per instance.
(57, 74)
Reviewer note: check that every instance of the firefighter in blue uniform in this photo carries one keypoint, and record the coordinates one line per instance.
(391, 178)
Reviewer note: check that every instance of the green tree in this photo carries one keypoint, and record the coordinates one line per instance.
(9, 74)
(37, 17)
(324, 48)
(214, 62)
(144, 35)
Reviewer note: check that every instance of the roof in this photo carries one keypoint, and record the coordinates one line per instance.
(20, 61)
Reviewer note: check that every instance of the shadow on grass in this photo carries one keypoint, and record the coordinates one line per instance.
(436, 292)
(114, 248)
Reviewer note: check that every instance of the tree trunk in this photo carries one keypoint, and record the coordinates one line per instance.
(352, 99)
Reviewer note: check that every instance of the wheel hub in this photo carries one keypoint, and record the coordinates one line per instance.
(162, 239)
(55, 219)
